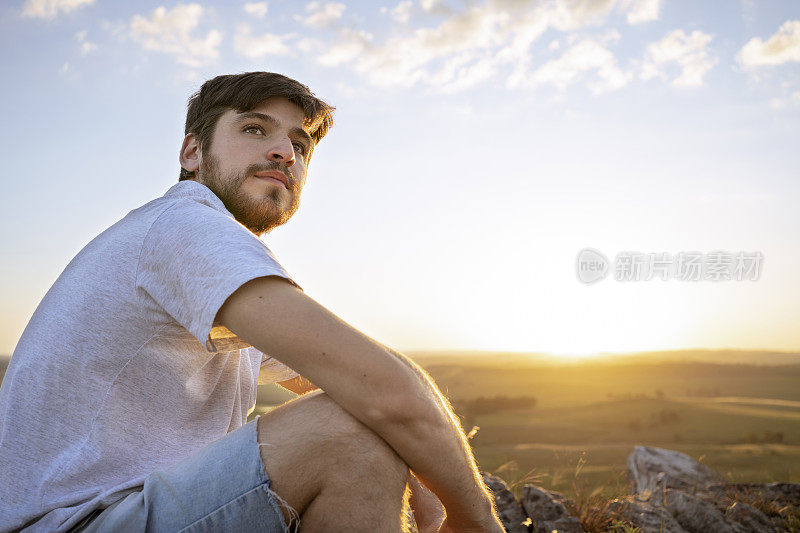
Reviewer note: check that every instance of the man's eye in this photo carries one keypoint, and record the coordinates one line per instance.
(253, 129)
(299, 148)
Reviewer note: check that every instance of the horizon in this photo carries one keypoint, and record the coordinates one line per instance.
(478, 150)
(581, 358)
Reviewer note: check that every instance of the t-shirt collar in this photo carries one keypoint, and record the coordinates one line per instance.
(193, 189)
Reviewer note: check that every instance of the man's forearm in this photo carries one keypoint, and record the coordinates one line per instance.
(383, 389)
(433, 444)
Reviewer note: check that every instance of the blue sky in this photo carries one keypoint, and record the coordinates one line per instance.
(477, 148)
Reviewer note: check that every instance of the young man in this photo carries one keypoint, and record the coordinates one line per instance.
(125, 402)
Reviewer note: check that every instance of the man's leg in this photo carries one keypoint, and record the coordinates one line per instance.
(333, 470)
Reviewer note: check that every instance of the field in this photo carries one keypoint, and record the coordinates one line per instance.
(570, 426)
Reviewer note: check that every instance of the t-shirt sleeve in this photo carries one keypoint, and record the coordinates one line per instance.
(194, 257)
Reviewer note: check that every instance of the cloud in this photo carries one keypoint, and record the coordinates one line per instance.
(49, 9)
(460, 47)
(257, 9)
(86, 46)
(639, 11)
(780, 48)
(430, 5)
(422, 54)
(689, 52)
(464, 47)
(321, 15)
(170, 32)
(402, 11)
(791, 101)
(456, 75)
(588, 55)
(350, 45)
(572, 14)
(259, 45)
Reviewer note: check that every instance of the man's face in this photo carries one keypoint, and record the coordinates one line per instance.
(257, 163)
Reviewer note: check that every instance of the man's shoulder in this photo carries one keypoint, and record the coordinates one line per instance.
(192, 193)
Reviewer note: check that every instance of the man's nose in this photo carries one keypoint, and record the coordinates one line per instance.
(282, 151)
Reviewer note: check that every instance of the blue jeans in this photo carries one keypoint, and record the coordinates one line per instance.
(223, 487)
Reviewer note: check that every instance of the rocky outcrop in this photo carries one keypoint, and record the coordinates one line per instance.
(644, 515)
(670, 493)
(511, 513)
(695, 496)
(651, 470)
(548, 512)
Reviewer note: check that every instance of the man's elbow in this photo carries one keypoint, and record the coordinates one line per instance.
(404, 407)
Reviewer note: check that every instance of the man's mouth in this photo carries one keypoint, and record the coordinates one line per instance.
(275, 176)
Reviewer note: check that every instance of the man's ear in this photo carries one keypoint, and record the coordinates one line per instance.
(190, 153)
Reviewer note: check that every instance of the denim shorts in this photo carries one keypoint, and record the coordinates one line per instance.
(223, 487)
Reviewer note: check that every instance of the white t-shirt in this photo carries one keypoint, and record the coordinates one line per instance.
(121, 370)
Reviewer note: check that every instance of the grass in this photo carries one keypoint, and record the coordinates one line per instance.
(773, 509)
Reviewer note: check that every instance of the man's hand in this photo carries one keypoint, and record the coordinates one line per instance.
(431, 517)
(428, 511)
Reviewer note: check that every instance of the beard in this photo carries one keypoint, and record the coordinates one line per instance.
(259, 215)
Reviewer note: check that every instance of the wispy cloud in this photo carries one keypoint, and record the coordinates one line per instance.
(86, 46)
(782, 47)
(50, 9)
(321, 15)
(401, 12)
(477, 42)
(349, 45)
(639, 11)
(586, 56)
(425, 53)
(254, 46)
(450, 49)
(790, 101)
(256, 9)
(567, 15)
(171, 32)
(690, 53)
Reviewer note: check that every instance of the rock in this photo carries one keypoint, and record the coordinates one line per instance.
(510, 511)
(750, 518)
(782, 494)
(751, 503)
(547, 511)
(653, 470)
(697, 515)
(649, 518)
(697, 498)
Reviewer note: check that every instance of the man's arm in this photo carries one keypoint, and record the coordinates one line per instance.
(298, 385)
(382, 388)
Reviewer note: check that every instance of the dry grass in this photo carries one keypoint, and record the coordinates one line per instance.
(586, 500)
(590, 505)
(789, 514)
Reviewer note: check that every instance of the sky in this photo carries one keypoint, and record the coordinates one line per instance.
(477, 148)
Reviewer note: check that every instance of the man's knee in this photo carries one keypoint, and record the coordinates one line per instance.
(334, 436)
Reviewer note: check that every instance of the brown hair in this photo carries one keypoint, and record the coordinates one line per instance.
(243, 92)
